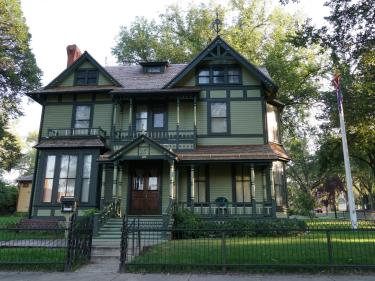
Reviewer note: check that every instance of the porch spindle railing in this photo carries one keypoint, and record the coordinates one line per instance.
(112, 210)
(227, 209)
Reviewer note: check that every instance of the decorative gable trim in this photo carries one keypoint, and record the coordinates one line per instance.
(164, 152)
(210, 50)
(84, 57)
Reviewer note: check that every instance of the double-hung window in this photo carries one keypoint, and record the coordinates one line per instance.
(219, 118)
(141, 117)
(86, 178)
(218, 75)
(200, 185)
(48, 178)
(242, 180)
(82, 116)
(67, 177)
(234, 75)
(204, 76)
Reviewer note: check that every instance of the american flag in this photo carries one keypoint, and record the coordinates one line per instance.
(336, 83)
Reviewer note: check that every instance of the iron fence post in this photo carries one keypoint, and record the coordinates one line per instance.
(124, 245)
(70, 246)
(329, 248)
(223, 252)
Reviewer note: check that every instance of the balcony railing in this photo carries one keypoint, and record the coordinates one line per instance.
(76, 132)
(174, 135)
(212, 209)
(173, 139)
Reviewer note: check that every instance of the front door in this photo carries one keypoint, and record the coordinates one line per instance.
(145, 190)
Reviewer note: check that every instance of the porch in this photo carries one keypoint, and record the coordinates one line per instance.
(160, 187)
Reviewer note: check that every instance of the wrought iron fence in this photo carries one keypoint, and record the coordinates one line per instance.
(32, 245)
(47, 245)
(79, 241)
(169, 249)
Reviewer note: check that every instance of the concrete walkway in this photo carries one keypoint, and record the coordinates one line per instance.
(110, 276)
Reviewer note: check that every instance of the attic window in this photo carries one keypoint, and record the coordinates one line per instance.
(154, 66)
(220, 75)
(152, 69)
(84, 77)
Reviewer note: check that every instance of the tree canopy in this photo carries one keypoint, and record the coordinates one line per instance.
(18, 75)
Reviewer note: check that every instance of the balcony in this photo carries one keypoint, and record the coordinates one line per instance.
(76, 132)
(175, 139)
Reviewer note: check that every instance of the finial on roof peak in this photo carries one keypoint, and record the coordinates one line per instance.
(217, 24)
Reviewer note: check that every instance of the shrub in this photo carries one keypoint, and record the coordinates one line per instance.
(192, 226)
(8, 198)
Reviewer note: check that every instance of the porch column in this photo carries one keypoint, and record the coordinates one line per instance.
(130, 114)
(114, 184)
(252, 189)
(103, 187)
(171, 182)
(192, 187)
(119, 188)
(264, 181)
(272, 189)
(178, 123)
(195, 111)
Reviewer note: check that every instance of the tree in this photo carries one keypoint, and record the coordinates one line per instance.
(349, 39)
(18, 75)
(26, 164)
(259, 32)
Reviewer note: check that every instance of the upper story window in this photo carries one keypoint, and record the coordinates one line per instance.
(154, 66)
(219, 75)
(149, 117)
(141, 117)
(82, 116)
(84, 77)
(152, 69)
(219, 117)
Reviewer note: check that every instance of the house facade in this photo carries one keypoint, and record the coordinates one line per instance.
(156, 137)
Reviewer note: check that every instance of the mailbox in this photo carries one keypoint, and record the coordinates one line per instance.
(68, 204)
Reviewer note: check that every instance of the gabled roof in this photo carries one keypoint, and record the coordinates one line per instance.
(132, 77)
(261, 74)
(84, 57)
(142, 138)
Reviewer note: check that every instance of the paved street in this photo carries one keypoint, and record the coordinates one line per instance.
(110, 276)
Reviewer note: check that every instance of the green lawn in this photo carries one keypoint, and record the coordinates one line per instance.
(10, 219)
(32, 258)
(307, 249)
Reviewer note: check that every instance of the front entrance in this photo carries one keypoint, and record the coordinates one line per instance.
(145, 188)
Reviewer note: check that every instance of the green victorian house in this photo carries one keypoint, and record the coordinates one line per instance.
(202, 136)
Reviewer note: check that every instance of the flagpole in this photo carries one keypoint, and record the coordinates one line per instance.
(348, 174)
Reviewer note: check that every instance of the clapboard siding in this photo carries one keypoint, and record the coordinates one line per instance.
(102, 117)
(235, 140)
(246, 117)
(56, 117)
(202, 118)
(220, 181)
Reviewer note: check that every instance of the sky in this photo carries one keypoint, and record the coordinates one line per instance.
(93, 26)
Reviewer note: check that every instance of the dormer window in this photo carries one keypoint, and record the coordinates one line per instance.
(219, 75)
(85, 77)
(154, 67)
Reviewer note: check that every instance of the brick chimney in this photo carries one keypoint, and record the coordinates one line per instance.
(73, 53)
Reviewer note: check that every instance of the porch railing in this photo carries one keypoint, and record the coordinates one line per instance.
(112, 210)
(171, 135)
(76, 132)
(227, 209)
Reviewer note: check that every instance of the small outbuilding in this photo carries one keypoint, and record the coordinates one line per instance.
(24, 192)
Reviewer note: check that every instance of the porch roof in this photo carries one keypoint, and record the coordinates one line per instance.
(66, 143)
(258, 152)
(271, 151)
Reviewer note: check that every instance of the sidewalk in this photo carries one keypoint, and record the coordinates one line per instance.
(110, 276)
